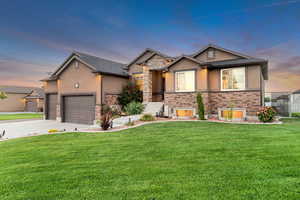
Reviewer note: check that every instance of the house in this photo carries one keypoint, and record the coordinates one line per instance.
(227, 80)
(20, 99)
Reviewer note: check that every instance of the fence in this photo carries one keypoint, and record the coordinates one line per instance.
(280, 101)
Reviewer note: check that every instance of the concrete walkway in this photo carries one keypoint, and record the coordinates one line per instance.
(36, 127)
(13, 113)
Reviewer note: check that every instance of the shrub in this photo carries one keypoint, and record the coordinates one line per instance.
(147, 117)
(106, 117)
(130, 93)
(266, 114)
(134, 108)
(201, 110)
(295, 114)
(3, 95)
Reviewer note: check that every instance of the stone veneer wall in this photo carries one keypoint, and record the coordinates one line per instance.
(214, 100)
(184, 100)
(251, 100)
(111, 99)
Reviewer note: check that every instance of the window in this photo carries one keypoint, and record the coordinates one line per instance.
(237, 114)
(233, 79)
(185, 81)
(210, 53)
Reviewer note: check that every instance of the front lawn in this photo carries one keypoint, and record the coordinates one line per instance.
(165, 161)
(21, 116)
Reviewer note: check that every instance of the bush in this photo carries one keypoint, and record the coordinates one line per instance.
(147, 117)
(295, 114)
(201, 110)
(106, 117)
(266, 114)
(3, 95)
(134, 108)
(130, 93)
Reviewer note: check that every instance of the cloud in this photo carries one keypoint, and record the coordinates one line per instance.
(284, 66)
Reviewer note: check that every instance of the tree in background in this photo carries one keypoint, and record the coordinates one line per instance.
(3, 95)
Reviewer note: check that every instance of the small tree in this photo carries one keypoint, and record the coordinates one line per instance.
(106, 117)
(129, 94)
(201, 110)
(3, 95)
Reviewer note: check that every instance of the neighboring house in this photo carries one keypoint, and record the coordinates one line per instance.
(295, 102)
(228, 80)
(20, 99)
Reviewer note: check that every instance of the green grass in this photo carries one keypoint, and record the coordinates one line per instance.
(164, 161)
(21, 116)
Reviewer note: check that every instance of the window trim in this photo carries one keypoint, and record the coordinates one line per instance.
(221, 79)
(175, 81)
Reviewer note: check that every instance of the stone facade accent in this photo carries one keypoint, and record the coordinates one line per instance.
(157, 62)
(111, 99)
(184, 100)
(147, 92)
(250, 100)
(58, 114)
(97, 113)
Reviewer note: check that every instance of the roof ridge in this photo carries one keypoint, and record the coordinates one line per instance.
(211, 45)
(86, 54)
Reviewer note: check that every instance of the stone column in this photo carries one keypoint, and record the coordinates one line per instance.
(58, 110)
(147, 91)
(98, 99)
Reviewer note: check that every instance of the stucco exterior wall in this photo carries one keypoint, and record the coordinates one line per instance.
(82, 75)
(13, 103)
(112, 86)
(50, 86)
(253, 77)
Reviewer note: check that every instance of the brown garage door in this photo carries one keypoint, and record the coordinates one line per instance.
(51, 106)
(79, 109)
(31, 105)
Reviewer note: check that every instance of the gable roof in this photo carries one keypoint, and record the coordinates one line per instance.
(177, 60)
(18, 89)
(96, 64)
(221, 49)
(240, 62)
(36, 93)
(154, 52)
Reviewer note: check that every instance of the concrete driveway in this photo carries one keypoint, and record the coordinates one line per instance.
(36, 127)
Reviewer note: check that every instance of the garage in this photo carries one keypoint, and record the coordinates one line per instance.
(79, 109)
(51, 106)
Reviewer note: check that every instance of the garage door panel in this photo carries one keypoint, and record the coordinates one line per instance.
(79, 109)
(51, 106)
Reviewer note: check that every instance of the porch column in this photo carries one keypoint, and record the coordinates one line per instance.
(59, 103)
(147, 91)
(98, 99)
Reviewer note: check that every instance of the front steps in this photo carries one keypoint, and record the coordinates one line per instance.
(154, 108)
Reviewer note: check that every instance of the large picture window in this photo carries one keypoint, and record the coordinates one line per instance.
(185, 81)
(233, 79)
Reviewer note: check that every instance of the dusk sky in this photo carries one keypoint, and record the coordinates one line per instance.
(36, 36)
